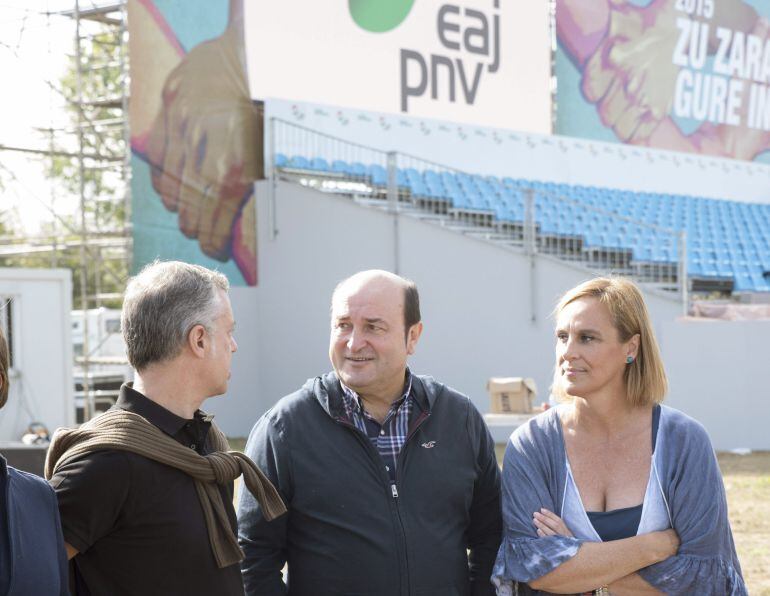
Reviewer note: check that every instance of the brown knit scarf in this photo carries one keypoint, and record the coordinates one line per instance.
(122, 430)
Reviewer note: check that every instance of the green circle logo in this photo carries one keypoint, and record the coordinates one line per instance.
(378, 16)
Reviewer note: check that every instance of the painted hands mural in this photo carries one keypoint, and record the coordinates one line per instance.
(195, 126)
(687, 75)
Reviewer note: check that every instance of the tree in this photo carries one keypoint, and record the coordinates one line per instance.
(95, 109)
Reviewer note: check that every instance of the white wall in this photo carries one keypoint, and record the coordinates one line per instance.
(41, 387)
(718, 371)
(476, 307)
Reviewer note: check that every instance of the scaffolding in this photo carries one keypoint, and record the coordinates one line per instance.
(91, 155)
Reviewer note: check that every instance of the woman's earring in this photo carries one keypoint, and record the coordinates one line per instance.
(629, 359)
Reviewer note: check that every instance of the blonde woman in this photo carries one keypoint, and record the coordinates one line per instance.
(611, 492)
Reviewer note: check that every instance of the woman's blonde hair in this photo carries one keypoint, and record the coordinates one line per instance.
(645, 377)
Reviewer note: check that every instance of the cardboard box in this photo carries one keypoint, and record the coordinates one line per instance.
(511, 395)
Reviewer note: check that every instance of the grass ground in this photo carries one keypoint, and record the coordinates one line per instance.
(747, 483)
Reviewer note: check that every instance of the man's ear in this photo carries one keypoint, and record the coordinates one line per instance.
(412, 336)
(196, 340)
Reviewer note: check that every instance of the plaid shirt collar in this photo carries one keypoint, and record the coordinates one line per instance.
(354, 408)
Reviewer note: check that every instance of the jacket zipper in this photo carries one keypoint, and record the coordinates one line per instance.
(394, 490)
(366, 442)
(393, 485)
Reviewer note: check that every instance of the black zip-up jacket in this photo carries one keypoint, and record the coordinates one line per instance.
(348, 530)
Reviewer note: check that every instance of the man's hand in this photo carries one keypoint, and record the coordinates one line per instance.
(630, 76)
(204, 145)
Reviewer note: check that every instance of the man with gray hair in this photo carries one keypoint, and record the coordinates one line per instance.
(390, 478)
(145, 490)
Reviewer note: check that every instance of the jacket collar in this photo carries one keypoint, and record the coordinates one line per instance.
(133, 401)
(328, 392)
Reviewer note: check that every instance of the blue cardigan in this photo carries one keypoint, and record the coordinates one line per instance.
(535, 475)
(32, 538)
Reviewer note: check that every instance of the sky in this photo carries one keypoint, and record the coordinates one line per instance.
(35, 45)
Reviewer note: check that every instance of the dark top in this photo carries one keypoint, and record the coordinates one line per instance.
(32, 559)
(349, 530)
(623, 523)
(138, 524)
(616, 524)
(5, 542)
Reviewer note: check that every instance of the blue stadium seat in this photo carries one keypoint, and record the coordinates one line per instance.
(357, 169)
(280, 160)
(548, 226)
(504, 213)
(709, 269)
(432, 178)
(478, 203)
(743, 283)
(724, 269)
(340, 167)
(695, 268)
(459, 200)
(299, 162)
(612, 240)
(436, 193)
(490, 197)
(760, 283)
(591, 239)
(319, 164)
(378, 174)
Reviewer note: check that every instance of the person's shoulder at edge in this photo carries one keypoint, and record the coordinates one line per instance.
(27, 481)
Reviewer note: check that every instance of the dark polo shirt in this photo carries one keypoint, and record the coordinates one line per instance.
(138, 524)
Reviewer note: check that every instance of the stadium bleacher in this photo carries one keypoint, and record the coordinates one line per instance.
(726, 240)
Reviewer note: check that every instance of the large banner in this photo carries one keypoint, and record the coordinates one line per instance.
(200, 68)
(195, 136)
(484, 62)
(685, 75)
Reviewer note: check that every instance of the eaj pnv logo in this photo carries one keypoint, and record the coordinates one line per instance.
(469, 38)
(379, 16)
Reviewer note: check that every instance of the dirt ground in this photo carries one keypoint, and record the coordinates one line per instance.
(747, 483)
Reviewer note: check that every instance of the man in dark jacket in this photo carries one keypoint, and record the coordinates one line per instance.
(390, 478)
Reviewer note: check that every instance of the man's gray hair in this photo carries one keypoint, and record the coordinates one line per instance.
(162, 304)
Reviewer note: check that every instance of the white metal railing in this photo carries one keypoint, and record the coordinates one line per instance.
(520, 213)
